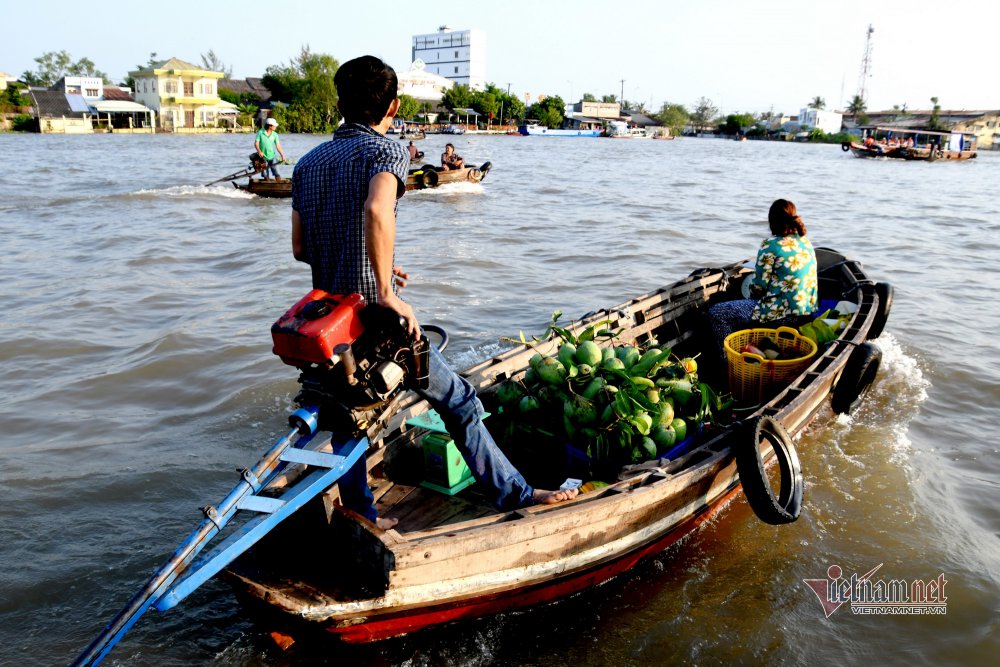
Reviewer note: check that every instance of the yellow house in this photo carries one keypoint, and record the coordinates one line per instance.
(185, 97)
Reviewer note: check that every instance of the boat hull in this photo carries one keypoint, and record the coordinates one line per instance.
(911, 154)
(270, 189)
(429, 176)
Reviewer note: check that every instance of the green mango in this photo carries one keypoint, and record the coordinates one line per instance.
(529, 404)
(649, 448)
(680, 428)
(665, 437)
(589, 353)
(566, 354)
(551, 371)
(509, 392)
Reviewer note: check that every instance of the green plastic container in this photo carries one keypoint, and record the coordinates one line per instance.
(444, 468)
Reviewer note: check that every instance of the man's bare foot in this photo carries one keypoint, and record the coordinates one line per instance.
(552, 497)
(386, 524)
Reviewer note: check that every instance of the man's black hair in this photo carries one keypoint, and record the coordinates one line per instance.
(366, 87)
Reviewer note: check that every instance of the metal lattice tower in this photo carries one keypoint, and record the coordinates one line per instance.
(866, 65)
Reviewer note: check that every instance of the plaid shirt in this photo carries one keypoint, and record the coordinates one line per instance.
(329, 189)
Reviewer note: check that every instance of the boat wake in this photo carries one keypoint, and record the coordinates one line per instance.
(226, 191)
(894, 399)
(449, 189)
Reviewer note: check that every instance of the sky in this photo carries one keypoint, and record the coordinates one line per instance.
(743, 56)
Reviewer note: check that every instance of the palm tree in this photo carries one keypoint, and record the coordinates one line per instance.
(934, 122)
(857, 105)
(818, 103)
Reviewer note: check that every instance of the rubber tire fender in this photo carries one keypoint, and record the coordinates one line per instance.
(845, 146)
(884, 292)
(787, 505)
(429, 179)
(856, 378)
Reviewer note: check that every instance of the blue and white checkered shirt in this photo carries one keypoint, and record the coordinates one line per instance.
(329, 189)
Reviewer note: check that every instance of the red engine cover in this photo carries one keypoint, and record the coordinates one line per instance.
(309, 331)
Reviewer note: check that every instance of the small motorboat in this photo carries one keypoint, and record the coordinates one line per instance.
(452, 555)
(257, 186)
(429, 176)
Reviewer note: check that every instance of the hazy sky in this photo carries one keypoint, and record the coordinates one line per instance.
(744, 56)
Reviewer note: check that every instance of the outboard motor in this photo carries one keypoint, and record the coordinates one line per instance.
(354, 358)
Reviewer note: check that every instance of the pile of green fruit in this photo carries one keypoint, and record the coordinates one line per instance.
(619, 404)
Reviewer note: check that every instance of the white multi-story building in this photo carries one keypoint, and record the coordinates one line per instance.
(828, 121)
(458, 55)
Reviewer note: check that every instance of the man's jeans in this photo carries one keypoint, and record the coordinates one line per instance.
(456, 402)
(271, 168)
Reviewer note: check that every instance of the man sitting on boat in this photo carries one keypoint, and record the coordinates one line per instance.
(344, 198)
(449, 160)
(414, 153)
(267, 144)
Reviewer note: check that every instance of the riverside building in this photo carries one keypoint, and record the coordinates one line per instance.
(458, 55)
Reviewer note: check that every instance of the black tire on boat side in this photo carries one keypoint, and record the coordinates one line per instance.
(846, 146)
(429, 179)
(771, 509)
(884, 292)
(856, 379)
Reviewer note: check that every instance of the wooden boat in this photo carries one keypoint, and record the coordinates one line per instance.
(412, 136)
(452, 555)
(429, 176)
(455, 557)
(282, 188)
(268, 188)
(907, 144)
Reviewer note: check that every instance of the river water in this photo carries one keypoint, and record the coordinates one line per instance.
(137, 375)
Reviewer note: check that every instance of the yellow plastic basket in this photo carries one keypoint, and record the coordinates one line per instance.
(753, 378)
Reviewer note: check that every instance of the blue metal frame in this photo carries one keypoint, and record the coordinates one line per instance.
(167, 587)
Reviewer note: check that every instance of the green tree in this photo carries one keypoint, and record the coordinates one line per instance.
(934, 122)
(14, 97)
(548, 112)
(817, 103)
(735, 123)
(408, 107)
(210, 61)
(485, 103)
(509, 106)
(305, 89)
(609, 99)
(674, 116)
(587, 97)
(857, 105)
(703, 114)
(54, 65)
(458, 96)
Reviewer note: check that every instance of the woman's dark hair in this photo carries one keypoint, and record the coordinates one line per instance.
(784, 219)
(452, 146)
(366, 87)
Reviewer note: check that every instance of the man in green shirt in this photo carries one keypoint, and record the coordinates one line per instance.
(266, 144)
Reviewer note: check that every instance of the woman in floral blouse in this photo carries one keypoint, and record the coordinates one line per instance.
(784, 286)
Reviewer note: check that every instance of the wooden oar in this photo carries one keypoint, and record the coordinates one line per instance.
(165, 588)
(249, 170)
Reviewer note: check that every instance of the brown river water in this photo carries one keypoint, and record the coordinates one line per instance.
(137, 374)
